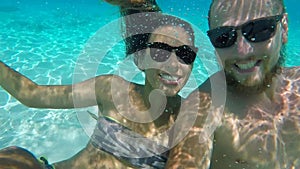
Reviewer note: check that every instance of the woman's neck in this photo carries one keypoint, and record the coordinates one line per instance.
(157, 102)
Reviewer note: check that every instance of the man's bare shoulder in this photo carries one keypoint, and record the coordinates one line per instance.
(290, 85)
(290, 131)
(291, 72)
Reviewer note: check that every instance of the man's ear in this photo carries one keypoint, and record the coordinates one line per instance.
(196, 49)
(284, 23)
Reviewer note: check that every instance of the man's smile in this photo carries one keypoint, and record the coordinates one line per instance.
(247, 66)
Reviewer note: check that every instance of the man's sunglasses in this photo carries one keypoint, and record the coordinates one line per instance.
(161, 52)
(257, 30)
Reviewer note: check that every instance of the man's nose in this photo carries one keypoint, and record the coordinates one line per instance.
(244, 47)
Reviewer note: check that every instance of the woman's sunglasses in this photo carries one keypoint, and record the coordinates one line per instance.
(161, 52)
(257, 30)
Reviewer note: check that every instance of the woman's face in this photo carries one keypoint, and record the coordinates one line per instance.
(168, 74)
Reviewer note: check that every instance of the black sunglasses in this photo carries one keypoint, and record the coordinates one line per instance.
(257, 30)
(161, 52)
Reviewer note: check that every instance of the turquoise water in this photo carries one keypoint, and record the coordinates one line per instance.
(47, 41)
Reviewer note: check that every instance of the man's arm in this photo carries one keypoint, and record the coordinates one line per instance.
(190, 153)
(195, 150)
(290, 116)
(18, 158)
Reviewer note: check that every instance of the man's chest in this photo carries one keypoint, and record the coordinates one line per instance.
(251, 142)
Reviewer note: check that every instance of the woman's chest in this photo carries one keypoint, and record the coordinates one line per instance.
(136, 120)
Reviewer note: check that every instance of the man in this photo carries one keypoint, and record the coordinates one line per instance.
(260, 127)
(261, 124)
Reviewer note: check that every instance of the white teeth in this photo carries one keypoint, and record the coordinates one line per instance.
(168, 77)
(247, 65)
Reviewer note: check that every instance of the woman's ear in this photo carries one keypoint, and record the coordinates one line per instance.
(285, 28)
(139, 59)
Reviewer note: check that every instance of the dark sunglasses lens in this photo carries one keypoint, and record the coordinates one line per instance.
(260, 30)
(186, 54)
(222, 37)
(159, 55)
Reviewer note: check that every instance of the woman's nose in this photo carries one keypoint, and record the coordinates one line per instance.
(173, 62)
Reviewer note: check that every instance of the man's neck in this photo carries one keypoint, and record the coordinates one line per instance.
(240, 101)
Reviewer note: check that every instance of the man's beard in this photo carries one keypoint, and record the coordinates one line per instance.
(233, 84)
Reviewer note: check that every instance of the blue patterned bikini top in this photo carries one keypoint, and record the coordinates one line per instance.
(125, 144)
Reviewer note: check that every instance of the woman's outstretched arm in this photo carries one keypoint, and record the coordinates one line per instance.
(139, 5)
(29, 93)
(126, 3)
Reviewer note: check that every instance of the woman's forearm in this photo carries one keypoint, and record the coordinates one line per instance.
(31, 94)
(83, 94)
(139, 5)
(15, 83)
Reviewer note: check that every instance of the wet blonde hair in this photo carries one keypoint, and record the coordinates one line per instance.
(278, 7)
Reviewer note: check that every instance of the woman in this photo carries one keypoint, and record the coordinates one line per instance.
(165, 51)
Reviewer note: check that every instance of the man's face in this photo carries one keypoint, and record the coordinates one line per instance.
(245, 61)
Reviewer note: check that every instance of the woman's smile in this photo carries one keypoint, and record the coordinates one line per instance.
(169, 79)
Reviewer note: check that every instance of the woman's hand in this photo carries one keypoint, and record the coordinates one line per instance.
(142, 5)
(126, 3)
